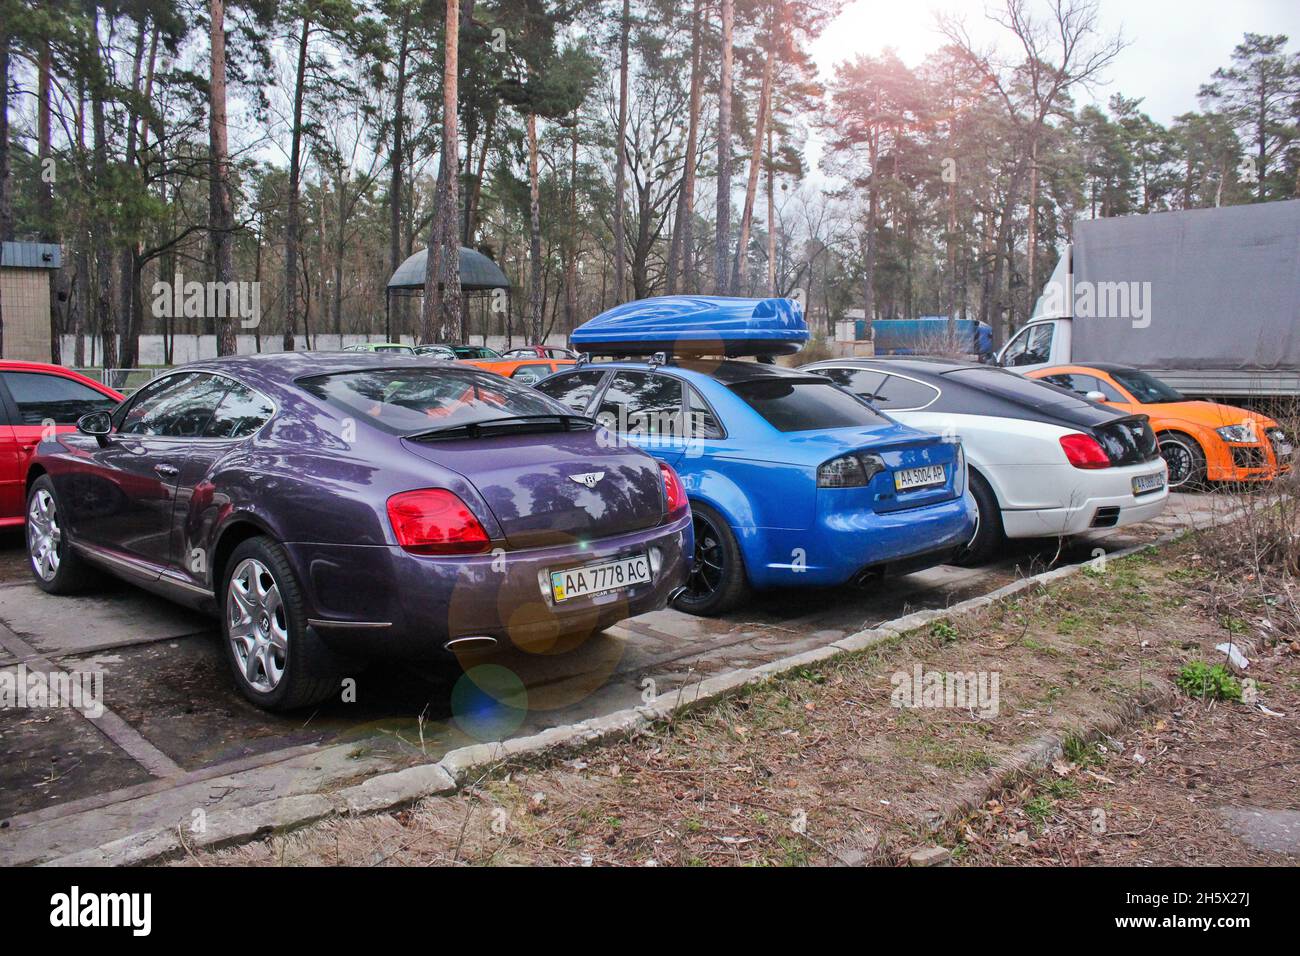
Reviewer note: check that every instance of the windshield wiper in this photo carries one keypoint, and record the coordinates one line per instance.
(475, 429)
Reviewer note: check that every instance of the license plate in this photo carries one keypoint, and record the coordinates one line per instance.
(599, 578)
(1145, 484)
(911, 478)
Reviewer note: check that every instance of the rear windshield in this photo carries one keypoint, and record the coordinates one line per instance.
(797, 405)
(405, 401)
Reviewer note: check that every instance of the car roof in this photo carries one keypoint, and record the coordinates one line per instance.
(726, 371)
(911, 364)
(284, 368)
(1108, 367)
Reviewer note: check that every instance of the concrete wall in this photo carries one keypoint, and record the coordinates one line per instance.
(25, 295)
(191, 348)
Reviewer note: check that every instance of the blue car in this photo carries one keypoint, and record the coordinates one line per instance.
(791, 480)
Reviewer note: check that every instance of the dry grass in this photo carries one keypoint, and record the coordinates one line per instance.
(817, 767)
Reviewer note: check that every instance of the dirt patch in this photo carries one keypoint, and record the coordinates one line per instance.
(820, 766)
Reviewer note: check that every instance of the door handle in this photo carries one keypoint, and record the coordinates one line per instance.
(167, 471)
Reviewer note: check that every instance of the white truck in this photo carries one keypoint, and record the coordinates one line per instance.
(1207, 300)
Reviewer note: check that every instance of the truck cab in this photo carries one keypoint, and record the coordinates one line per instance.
(1041, 343)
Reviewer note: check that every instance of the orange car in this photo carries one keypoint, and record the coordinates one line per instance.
(1200, 441)
(525, 371)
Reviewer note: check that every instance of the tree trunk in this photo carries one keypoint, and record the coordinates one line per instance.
(536, 302)
(45, 203)
(571, 266)
(679, 253)
(771, 220)
(292, 219)
(755, 158)
(722, 235)
(105, 319)
(442, 272)
(620, 175)
(6, 186)
(395, 188)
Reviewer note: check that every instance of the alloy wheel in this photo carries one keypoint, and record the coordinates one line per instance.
(1179, 459)
(258, 625)
(43, 535)
(709, 565)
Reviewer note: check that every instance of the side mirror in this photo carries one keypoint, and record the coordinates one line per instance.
(95, 424)
(1095, 396)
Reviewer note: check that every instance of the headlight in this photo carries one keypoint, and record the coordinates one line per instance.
(1244, 433)
(849, 471)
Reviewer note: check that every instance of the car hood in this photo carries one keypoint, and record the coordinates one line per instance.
(1207, 414)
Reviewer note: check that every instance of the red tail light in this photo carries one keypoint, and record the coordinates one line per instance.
(674, 493)
(1083, 451)
(435, 521)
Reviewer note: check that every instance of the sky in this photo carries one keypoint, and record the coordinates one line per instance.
(1174, 44)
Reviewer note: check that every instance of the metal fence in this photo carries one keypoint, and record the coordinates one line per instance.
(124, 380)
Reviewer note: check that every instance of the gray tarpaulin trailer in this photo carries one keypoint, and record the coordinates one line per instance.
(1206, 299)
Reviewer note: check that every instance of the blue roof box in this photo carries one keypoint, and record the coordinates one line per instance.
(695, 325)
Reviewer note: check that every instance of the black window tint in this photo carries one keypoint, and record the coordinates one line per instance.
(179, 406)
(1145, 388)
(903, 393)
(801, 405)
(42, 397)
(240, 413)
(642, 403)
(703, 422)
(573, 390)
(863, 382)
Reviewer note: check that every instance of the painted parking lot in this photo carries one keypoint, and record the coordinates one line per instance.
(174, 738)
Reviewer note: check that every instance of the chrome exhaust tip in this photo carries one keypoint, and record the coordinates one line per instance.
(475, 643)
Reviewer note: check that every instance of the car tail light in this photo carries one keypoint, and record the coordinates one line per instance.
(849, 471)
(1083, 451)
(435, 521)
(674, 493)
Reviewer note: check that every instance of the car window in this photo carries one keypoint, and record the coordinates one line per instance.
(704, 424)
(409, 400)
(242, 412)
(41, 397)
(904, 393)
(1083, 384)
(863, 382)
(1147, 389)
(574, 390)
(531, 374)
(1033, 346)
(642, 403)
(794, 405)
(179, 406)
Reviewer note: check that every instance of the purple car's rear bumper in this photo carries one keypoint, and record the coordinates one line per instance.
(382, 601)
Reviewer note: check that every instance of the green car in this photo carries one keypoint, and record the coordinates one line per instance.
(381, 347)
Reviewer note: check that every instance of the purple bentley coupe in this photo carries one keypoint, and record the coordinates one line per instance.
(336, 506)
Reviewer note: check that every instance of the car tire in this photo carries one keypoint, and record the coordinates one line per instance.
(56, 568)
(990, 537)
(717, 582)
(1186, 461)
(264, 618)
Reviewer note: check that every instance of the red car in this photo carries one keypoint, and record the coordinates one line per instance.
(32, 395)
